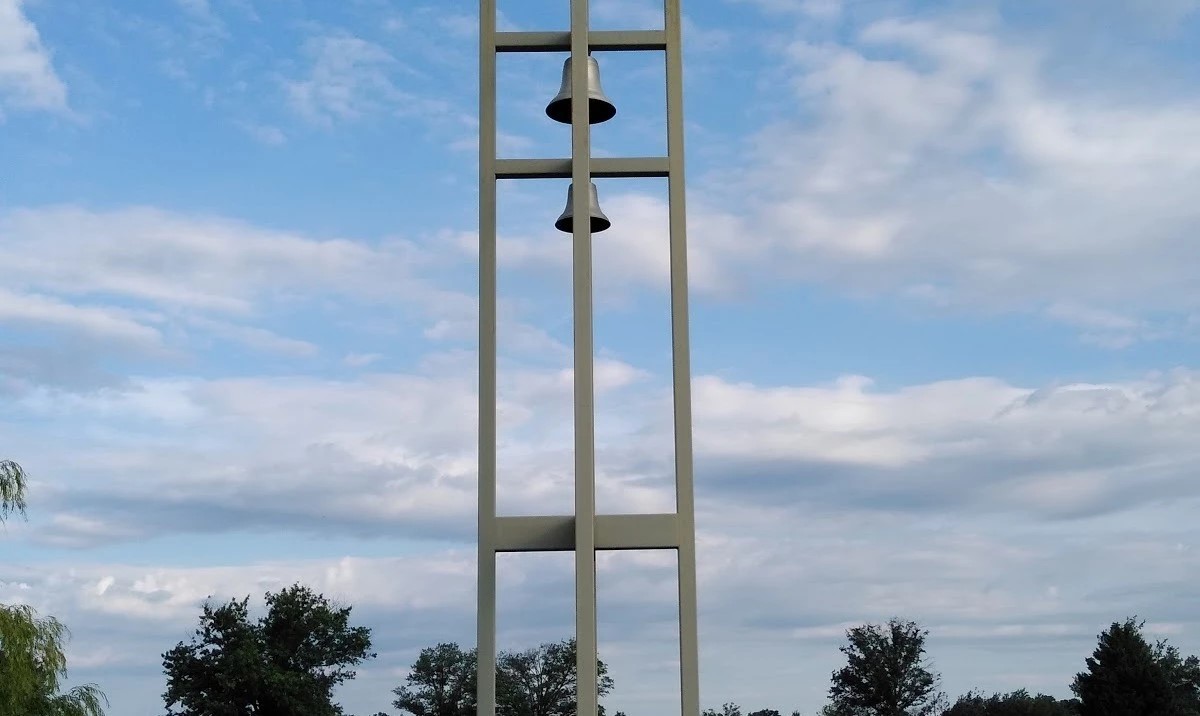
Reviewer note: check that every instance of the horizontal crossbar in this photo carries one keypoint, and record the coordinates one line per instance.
(613, 532)
(610, 167)
(600, 40)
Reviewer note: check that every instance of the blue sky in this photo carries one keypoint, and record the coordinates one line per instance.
(944, 313)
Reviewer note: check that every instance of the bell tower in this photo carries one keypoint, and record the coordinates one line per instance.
(584, 532)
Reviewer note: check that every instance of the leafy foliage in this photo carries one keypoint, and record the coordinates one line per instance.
(32, 660)
(1126, 676)
(1017, 703)
(886, 673)
(32, 663)
(536, 682)
(12, 489)
(727, 709)
(541, 681)
(286, 664)
(441, 683)
(1183, 675)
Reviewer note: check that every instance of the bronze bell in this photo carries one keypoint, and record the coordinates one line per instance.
(566, 222)
(599, 107)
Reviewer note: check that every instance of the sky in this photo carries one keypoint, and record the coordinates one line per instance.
(945, 329)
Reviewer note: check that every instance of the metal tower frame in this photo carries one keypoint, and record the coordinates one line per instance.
(584, 532)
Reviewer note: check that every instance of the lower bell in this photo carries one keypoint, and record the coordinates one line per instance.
(566, 222)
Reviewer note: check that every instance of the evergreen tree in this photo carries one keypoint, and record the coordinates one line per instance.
(1123, 677)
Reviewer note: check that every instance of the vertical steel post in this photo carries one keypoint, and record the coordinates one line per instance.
(486, 618)
(585, 463)
(689, 669)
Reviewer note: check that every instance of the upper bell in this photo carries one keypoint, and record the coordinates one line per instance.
(566, 222)
(599, 107)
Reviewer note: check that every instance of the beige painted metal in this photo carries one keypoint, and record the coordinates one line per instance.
(586, 697)
(603, 168)
(486, 614)
(556, 533)
(689, 647)
(584, 532)
(598, 40)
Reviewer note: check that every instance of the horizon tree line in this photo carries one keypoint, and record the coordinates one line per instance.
(289, 662)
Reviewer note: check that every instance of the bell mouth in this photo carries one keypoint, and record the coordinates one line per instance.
(566, 224)
(598, 110)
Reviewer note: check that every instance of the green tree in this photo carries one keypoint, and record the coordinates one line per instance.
(1017, 703)
(535, 682)
(727, 709)
(32, 660)
(1183, 675)
(886, 673)
(541, 681)
(12, 489)
(285, 664)
(440, 683)
(765, 712)
(1124, 677)
(32, 664)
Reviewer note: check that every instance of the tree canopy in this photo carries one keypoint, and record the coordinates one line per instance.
(285, 664)
(727, 709)
(536, 682)
(32, 657)
(886, 673)
(1017, 703)
(12, 489)
(32, 665)
(1126, 676)
(541, 681)
(440, 683)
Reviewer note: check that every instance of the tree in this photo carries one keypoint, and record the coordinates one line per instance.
(541, 681)
(727, 709)
(536, 682)
(286, 664)
(1018, 703)
(1182, 674)
(886, 673)
(441, 683)
(1124, 678)
(12, 489)
(765, 712)
(32, 660)
(32, 663)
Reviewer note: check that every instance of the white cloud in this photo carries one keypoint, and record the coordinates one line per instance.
(202, 263)
(27, 76)
(256, 338)
(264, 133)
(360, 360)
(115, 324)
(143, 278)
(1057, 451)
(217, 455)
(945, 161)
(890, 185)
(351, 78)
